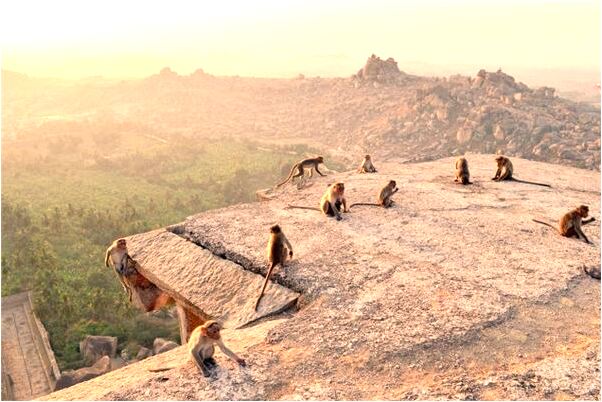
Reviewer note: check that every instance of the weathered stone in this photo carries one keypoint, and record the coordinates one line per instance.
(207, 284)
(161, 345)
(93, 347)
(71, 377)
(388, 286)
(143, 353)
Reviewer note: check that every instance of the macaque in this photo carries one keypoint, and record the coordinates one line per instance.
(201, 346)
(384, 197)
(570, 223)
(462, 173)
(310, 163)
(278, 251)
(505, 171)
(366, 166)
(331, 202)
(117, 254)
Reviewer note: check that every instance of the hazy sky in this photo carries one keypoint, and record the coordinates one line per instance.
(283, 38)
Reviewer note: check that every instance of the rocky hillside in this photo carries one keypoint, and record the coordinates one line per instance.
(454, 293)
(380, 110)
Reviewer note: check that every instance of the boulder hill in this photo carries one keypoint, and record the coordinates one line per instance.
(452, 293)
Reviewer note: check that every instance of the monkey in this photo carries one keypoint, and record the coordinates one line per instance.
(279, 248)
(366, 166)
(462, 173)
(117, 253)
(505, 170)
(384, 197)
(331, 201)
(310, 163)
(570, 223)
(594, 272)
(201, 346)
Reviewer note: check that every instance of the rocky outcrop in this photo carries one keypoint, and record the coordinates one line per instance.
(397, 303)
(161, 345)
(143, 353)
(71, 377)
(381, 71)
(93, 347)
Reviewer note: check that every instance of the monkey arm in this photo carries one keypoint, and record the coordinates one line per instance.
(198, 361)
(107, 256)
(288, 245)
(497, 173)
(344, 201)
(229, 353)
(317, 170)
(586, 221)
(581, 235)
(505, 176)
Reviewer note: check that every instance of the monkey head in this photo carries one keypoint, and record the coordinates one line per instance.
(339, 188)
(320, 159)
(275, 229)
(392, 183)
(211, 329)
(367, 157)
(121, 243)
(583, 210)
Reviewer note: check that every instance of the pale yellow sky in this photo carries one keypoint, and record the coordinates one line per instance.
(73, 39)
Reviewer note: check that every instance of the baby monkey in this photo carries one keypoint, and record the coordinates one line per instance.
(570, 223)
(462, 173)
(366, 166)
(201, 346)
(384, 197)
(278, 250)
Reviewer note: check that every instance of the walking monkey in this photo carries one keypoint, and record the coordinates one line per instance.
(310, 163)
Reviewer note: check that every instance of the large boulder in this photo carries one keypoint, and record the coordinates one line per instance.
(93, 347)
(143, 353)
(378, 70)
(72, 377)
(161, 345)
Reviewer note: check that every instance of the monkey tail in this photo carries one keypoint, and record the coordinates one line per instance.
(531, 182)
(288, 178)
(365, 203)
(265, 283)
(302, 207)
(543, 223)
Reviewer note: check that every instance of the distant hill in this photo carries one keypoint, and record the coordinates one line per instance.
(380, 110)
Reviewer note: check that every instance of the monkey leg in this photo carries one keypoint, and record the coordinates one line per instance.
(330, 211)
(210, 363)
(570, 232)
(200, 363)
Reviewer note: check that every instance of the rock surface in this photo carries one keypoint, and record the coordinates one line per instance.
(71, 377)
(454, 293)
(93, 347)
(211, 285)
(161, 345)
